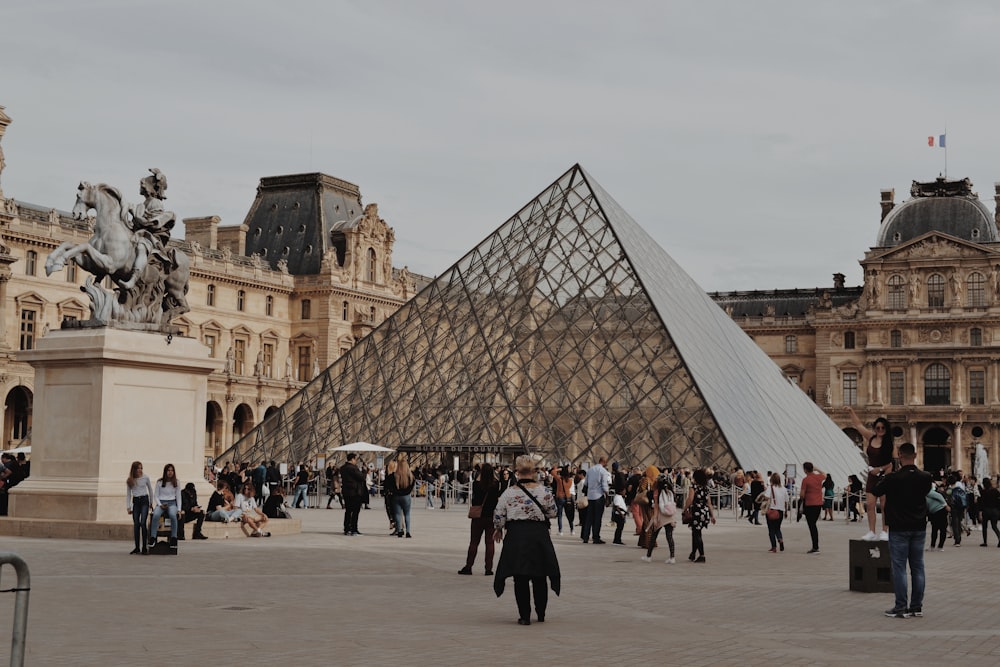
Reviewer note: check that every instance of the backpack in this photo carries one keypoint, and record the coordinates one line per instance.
(666, 503)
(959, 498)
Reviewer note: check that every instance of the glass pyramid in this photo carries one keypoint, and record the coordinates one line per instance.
(568, 333)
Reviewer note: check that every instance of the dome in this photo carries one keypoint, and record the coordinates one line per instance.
(944, 206)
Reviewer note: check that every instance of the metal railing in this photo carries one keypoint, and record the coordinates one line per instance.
(21, 591)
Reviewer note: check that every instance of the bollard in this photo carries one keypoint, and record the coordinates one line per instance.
(21, 591)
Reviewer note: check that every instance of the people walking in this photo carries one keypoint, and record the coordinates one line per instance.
(597, 487)
(989, 509)
(663, 517)
(524, 510)
(778, 501)
(811, 497)
(402, 482)
(699, 504)
(485, 494)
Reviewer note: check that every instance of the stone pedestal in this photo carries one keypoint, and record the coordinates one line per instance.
(870, 566)
(104, 398)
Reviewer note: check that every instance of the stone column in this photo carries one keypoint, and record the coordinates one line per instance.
(956, 455)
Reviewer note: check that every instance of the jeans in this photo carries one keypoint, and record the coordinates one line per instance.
(225, 515)
(301, 491)
(140, 509)
(592, 521)
(158, 511)
(403, 504)
(812, 516)
(907, 545)
(774, 529)
(956, 524)
(560, 504)
(352, 510)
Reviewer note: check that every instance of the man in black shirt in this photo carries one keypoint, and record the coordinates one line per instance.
(905, 512)
(352, 486)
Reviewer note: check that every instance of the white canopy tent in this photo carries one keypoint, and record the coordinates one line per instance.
(360, 447)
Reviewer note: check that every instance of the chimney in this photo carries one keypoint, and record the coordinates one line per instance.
(203, 230)
(887, 203)
(838, 281)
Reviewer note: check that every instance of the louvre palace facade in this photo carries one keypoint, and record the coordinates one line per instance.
(918, 343)
(275, 299)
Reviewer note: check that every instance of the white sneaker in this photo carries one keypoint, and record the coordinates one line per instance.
(870, 537)
(884, 536)
(560, 533)
(670, 561)
(646, 559)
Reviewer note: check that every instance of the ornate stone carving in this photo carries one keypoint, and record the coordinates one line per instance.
(129, 245)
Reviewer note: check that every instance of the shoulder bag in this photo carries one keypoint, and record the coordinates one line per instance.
(773, 513)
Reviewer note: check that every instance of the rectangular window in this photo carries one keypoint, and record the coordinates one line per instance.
(306, 309)
(935, 291)
(241, 300)
(28, 319)
(239, 356)
(210, 344)
(305, 363)
(269, 306)
(977, 387)
(71, 272)
(268, 359)
(791, 345)
(895, 338)
(30, 264)
(848, 340)
(976, 337)
(850, 388)
(897, 387)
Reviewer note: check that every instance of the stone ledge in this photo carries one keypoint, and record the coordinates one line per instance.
(108, 530)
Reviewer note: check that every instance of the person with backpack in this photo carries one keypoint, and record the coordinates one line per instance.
(957, 500)
(664, 516)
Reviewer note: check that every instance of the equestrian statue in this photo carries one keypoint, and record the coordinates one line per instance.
(129, 246)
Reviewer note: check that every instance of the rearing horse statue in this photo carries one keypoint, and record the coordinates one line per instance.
(151, 289)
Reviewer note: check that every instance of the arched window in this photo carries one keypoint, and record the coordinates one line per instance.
(346, 311)
(210, 295)
(897, 293)
(976, 286)
(935, 291)
(937, 385)
(371, 264)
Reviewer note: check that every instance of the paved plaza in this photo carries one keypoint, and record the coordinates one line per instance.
(323, 598)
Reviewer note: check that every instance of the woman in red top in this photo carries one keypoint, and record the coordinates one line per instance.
(811, 493)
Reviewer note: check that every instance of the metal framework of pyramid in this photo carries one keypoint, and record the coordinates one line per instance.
(570, 333)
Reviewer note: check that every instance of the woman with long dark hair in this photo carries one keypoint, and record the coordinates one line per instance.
(485, 493)
(828, 496)
(702, 513)
(524, 511)
(778, 501)
(138, 492)
(562, 486)
(168, 500)
(989, 509)
(880, 454)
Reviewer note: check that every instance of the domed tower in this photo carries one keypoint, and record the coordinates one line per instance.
(940, 205)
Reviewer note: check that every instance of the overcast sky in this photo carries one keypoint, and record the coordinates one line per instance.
(751, 139)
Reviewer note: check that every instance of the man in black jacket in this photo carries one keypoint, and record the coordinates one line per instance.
(352, 482)
(192, 511)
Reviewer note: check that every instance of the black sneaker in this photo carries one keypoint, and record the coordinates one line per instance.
(897, 613)
(916, 611)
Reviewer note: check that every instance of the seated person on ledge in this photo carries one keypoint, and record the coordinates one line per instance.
(191, 511)
(222, 504)
(253, 520)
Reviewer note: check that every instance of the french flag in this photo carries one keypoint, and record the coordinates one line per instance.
(940, 141)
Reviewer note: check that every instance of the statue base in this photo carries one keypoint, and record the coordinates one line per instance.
(103, 399)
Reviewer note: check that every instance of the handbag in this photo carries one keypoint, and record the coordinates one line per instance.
(475, 511)
(687, 516)
(773, 513)
(581, 501)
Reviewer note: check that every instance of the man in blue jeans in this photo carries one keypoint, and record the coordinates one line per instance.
(904, 509)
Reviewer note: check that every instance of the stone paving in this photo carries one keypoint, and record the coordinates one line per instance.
(323, 598)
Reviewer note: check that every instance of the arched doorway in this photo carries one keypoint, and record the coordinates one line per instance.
(17, 415)
(936, 448)
(213, 429)
(242, 421)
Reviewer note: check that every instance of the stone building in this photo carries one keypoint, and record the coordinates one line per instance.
(918, 343)
(275, 299)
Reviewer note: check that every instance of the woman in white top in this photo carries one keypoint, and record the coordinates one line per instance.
(777, 496)
(252, 519)
(138, 491)
(168, 499)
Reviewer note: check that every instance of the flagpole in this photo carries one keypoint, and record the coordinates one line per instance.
(946, 151)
